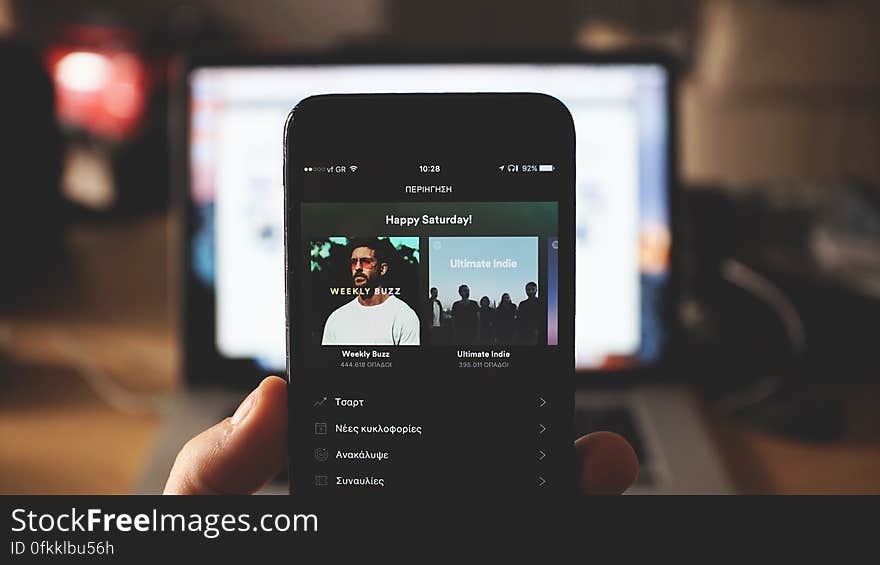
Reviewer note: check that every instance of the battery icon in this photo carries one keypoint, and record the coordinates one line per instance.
(546, 168)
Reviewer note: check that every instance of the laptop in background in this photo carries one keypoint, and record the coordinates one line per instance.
(228, 177)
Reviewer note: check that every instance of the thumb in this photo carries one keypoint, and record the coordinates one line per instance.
(239, 454)
(608, 463)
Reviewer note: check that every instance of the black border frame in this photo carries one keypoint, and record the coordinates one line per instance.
(202, 369)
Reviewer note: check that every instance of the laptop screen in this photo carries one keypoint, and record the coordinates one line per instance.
(620, 111)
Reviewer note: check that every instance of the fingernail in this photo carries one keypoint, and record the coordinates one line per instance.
(244, 408)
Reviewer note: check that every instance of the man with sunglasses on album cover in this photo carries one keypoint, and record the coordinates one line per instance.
(376, 316)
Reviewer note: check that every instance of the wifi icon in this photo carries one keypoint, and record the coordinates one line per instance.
(353, 168)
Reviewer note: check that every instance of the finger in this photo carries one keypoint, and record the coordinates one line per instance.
(239, 454)
(607, 463)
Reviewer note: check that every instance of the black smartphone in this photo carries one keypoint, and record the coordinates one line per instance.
(429, 242)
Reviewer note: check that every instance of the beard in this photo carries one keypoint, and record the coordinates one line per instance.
(360, 279)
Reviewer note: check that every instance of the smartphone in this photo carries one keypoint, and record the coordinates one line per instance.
(429, 244)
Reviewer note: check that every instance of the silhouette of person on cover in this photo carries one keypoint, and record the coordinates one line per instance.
(465, 317)
(530, 317)
(433, 314)
(487, 322)
(505, 320)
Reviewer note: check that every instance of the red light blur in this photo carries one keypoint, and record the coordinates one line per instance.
(99, 90)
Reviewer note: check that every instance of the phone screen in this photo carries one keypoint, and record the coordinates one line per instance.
(430, 296)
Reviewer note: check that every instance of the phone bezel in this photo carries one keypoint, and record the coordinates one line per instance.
(479, 127)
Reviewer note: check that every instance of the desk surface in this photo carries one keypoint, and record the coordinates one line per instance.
(109, 324)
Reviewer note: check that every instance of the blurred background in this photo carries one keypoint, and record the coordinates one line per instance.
(776, 208)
